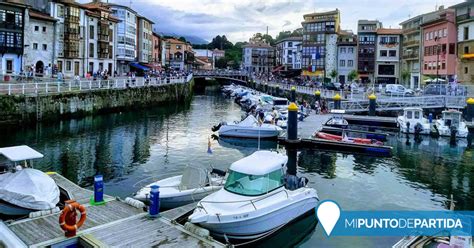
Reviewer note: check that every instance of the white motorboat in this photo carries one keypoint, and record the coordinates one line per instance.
(337, 120)
(254, 200)
(412, 121)
(22, 189)
(193, 185)
(248, 128)
(451, 119)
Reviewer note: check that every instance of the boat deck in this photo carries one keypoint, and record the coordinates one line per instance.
(375, 121)
(114, 224)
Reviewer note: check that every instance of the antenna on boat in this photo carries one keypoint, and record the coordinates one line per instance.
(258, 146)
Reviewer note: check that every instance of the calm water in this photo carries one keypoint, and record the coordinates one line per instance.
(131, 148)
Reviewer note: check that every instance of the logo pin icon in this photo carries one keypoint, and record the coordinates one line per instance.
(328, 213)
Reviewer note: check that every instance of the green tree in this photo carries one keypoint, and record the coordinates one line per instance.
(221, 63)
(405, 76)
(352, 75)
(182, 39)
(333, 74)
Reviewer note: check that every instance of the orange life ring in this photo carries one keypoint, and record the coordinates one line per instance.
(70, 211)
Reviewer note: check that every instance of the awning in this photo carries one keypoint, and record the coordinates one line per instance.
(138, 66)
(156, 67)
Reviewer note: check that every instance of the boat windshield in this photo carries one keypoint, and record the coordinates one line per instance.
(252, 185)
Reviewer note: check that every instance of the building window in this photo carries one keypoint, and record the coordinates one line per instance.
(466, 70)
(445, 32)
(426, 66)
(60, 12)
(35, 46)
(45, 47)
(68, 65)
(60, 66)
(443, 65)
(351, 50)
(37, 28)
(350, 63)
(466, 33)
(466, 49)
(91, 50)
(91, 32)
(343, 50)
(44, 29)
(452, 48)
(342, 63)
(427, 36)
(383, 53)
(392, 53)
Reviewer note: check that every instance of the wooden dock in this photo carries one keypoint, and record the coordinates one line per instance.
(115, 224)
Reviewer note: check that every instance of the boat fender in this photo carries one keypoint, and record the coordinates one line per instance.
(134, 203)
(44, 212)
(190, 227)
(302, 182)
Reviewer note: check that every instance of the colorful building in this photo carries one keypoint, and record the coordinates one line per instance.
(258, 57)
(12, 24)
(126, 51)
(144, 39)
(439, 45)
(387, 63)
(319, 46)
(367, 34)
(287, 52)
(465, 40)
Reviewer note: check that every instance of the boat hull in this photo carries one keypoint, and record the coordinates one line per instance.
(250, 133)
(13, 210)
(260, 225)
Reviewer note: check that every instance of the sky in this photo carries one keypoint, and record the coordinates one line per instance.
(240, 19)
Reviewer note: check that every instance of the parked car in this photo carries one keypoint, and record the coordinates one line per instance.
(435, 89)
(330, 86)
(398, 90)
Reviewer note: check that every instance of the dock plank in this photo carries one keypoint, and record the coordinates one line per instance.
(35, 231)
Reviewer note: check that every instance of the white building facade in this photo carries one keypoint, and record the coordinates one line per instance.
(287, 53)
(145, 40)
(258, 57)
(39, 53)
(346, 55)
(126, 50)
(387, 64)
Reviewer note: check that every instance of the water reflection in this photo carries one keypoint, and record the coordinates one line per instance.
(323, 163)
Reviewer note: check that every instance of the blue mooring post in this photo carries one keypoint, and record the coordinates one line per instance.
(470, 120)
(372, 104)
(277, 91)
(98, 188)
(337, 101)
(430, 118)
(293, 94)
(292, 125)
(154, 201)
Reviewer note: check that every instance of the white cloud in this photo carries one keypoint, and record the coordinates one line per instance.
(238, 20)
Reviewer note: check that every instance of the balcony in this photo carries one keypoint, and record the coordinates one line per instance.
(410, 30)
(103, 38)
(8, 49)
(410, 56)
(464, 17)
(411, 43)
(10, 25)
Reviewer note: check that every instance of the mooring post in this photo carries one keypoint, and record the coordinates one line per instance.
(317, 96)
(98, 190)
(277, 91)
(293, 94)
(470, 110)
(265, 88)
(154, 201)
(337, 101)
(372, 104)
(292, 125)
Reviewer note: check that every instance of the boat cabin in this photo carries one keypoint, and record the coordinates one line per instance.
(280, 102)
(452, 118)
(17, 157)
(257, 174)
(413, 114)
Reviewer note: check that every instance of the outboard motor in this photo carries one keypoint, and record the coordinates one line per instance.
(452, 137)
(418, 129)
(408, 129)
(302, 182)
(434, 131)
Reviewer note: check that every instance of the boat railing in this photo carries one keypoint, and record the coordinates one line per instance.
(253, 201)
(147, 180)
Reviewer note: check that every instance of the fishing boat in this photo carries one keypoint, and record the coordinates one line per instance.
(193, 185)
(345, 138)
(255, 199)
(23, 189)
(248, 128)
(412, 121)
(337, 120)
(451, 120)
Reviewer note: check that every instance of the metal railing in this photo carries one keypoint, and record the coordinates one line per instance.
(55, 87)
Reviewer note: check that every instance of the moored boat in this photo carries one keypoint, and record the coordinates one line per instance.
(344, 138)
(249, 128)
(412, 121)
(451, 121)
(255, 200)
(193, 185)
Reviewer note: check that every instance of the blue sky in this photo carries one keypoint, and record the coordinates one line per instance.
(238, 20)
